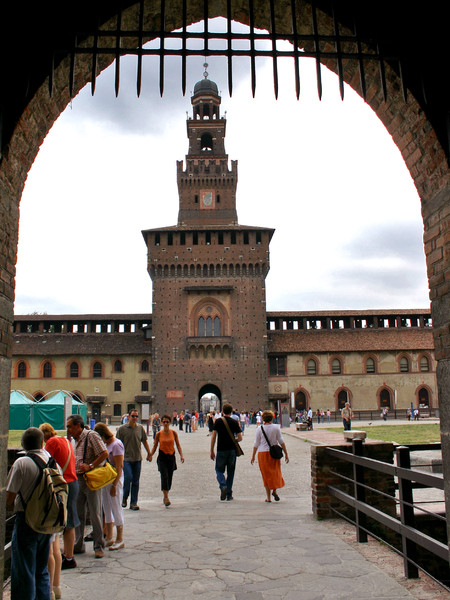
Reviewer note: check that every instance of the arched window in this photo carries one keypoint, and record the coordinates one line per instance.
(424, 398)
(370, 365)
(47, 370)
(201, 326)
(117, 410)
(144, 386)
(336, 366)
(342, 399)
(97, 370)
(385, 398)
(74, 369)
(311, 367)
(424, 364)
(209, 326)
(145, 366)
(300, 401)
(22, 369)
(117, 386)
(206, 142)
(117, 366)
(404, 365)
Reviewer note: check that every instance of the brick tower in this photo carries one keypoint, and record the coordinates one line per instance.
(208, 273)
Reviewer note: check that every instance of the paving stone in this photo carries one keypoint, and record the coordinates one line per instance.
(204, 549)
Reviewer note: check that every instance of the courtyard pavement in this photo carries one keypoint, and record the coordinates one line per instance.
(245, 549)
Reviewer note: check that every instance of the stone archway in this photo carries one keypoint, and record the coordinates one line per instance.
(209, 398)
(405, 120)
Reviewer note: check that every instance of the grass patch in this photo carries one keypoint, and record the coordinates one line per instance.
(413, 433)
(15, 435)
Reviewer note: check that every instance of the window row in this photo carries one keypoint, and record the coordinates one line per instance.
(97, 369)
(385, 398)
(278, 366)
(145, 385)
(194, 238)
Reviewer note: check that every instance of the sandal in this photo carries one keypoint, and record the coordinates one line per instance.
(268, 500)
(276, 497)
(166, 502)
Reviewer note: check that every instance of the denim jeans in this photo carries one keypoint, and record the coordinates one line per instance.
(187, 426)
(132, 474)
(29, 557)
(226, 460)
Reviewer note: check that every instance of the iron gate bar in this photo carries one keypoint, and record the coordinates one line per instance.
(434, 546)
(362, 75)
(338, 52)
(94, 61)
(183, 59)
(161, 47)
(140, 44)
(252, 48)
(229, 50)
(295, 42)
(117, 61)
(273, 37)
(317, 49)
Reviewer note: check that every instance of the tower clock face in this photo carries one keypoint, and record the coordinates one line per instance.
(207, 200)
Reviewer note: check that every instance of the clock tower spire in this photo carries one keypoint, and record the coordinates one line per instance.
(207, 187)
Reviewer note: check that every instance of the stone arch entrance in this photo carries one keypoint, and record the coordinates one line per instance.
(415, 126)
(209, 398)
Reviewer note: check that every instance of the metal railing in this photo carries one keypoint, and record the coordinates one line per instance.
(400, 517)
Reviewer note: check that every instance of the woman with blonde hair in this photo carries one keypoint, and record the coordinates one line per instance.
(270, 467)
(112, 494)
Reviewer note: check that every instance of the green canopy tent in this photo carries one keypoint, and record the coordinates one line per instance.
(51, 409)
(20, 410)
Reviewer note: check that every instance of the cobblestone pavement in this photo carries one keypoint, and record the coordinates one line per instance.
(202, 548)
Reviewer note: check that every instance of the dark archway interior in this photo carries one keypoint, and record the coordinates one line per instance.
(209, 398)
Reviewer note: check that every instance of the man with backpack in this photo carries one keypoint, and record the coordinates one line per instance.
(29, 549)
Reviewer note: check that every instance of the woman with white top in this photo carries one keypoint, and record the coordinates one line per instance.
(112, 494)
(270, 467)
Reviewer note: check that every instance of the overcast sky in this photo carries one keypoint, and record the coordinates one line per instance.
(326, 175)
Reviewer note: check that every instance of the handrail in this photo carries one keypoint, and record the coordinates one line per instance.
(403, 524)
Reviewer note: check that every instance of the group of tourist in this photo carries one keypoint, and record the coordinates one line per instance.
(37, 560)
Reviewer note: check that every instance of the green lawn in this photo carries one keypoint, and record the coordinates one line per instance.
(15, 435)
(414, 433)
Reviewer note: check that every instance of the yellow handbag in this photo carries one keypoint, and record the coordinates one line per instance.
(100, 476)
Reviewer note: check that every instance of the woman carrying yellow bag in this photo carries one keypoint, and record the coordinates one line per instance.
(112, 494)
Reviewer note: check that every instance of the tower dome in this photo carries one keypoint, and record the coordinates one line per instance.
(206, 99)
(205, 86)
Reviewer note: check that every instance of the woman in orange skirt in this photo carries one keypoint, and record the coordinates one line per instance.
(270, 467)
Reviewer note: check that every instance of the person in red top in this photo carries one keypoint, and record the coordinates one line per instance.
(61, 450)
(167, 439)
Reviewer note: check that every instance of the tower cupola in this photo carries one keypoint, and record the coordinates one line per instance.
(206, 99)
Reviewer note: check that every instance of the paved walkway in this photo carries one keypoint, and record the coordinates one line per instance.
(241, 550)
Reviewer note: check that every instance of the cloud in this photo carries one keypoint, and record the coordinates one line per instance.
(394, 241)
